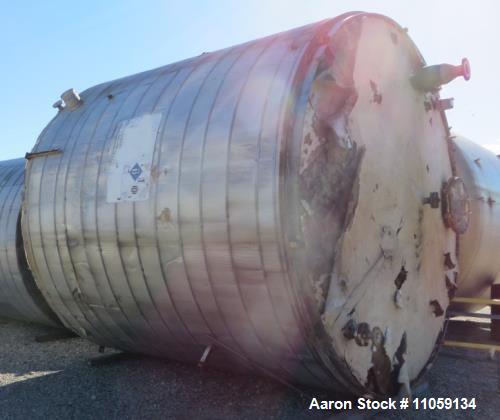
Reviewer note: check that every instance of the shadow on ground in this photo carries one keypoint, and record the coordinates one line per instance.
(54, 380)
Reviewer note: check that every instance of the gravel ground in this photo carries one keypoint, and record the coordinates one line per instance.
(54, 380)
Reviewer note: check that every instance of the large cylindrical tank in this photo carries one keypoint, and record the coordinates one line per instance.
(19, 296)
(267, 200)
(479, 264)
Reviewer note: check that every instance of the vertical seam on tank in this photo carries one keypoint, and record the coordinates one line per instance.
(154, 108)
(75, 303)
(84, 244)
(337, 369)
(28, 229)
(161, 134)
(276, 203)
(228, 224)
(129, 336)
(179, 171)
(86, 311)
(26, 226)
(64, 117)
(116, 231)
(139, 257)
(278, 232)
(201, 200)
(5, 270)
(98, 176)
(256, 195)
(257, 217)
(333, 25)
(146, 319)
(73, 141)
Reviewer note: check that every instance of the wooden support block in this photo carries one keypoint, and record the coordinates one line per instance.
(495, 312)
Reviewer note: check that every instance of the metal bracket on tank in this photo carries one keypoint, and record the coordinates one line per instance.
(433, 200)
(44, 153)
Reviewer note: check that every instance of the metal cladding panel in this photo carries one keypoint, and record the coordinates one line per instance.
(197, 259)
(478, 262)
(19, 297)
(170, 221)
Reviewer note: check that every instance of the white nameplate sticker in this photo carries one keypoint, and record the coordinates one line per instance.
(129, 175)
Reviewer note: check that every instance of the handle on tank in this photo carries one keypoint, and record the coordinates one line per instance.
(431, 77)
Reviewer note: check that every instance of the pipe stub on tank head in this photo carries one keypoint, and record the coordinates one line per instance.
(465, 69)
(71, 99)
(456, 205)
(432, 77)
(59, 104)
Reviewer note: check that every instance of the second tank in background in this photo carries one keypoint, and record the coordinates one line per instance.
(479, 261)
(19, 296)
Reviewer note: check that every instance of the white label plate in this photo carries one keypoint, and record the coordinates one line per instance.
(129, 176)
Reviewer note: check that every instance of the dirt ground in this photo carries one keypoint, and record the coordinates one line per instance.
(55, 380)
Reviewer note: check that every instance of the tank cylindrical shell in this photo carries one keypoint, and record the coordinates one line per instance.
(478, 260)
(266, 199)
(19, 296)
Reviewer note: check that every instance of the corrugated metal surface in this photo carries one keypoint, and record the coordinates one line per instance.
(478, 261)
(19, 296)
(161, 227)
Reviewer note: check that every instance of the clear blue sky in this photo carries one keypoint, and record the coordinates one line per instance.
(48, 47)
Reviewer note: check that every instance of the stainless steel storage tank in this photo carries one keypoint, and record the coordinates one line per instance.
(478, 259)
(19, 296)
(267, 200)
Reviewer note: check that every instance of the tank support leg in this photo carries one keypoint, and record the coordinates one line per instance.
(205, 356)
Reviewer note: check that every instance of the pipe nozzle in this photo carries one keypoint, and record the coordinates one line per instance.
(432, 77)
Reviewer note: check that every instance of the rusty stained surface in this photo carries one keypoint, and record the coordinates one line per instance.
(371, 152)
